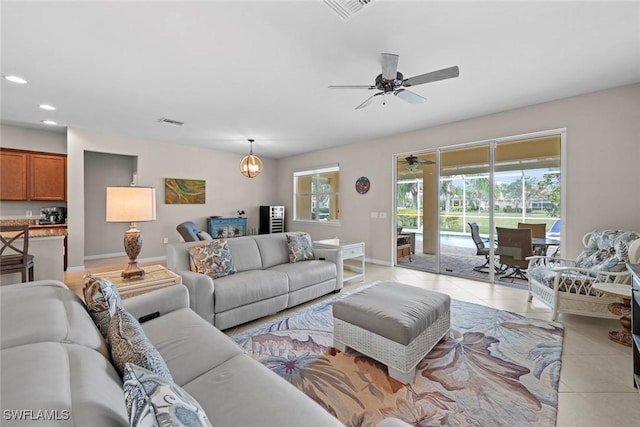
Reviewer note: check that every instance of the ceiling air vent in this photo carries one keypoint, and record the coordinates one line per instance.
(170, 122)
(346, 9)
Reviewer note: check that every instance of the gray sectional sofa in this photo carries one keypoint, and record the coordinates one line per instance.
(265, 281)
(56, 368)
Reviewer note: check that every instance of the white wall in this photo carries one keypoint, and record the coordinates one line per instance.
(33, 139)
(227, 190)
(602, 186)
(102, 170)
(602, 178)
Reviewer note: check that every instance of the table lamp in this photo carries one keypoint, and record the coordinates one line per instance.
(131, 204)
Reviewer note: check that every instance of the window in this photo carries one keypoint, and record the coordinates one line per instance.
(315, 193)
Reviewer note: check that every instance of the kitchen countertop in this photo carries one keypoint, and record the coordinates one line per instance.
(38, 230)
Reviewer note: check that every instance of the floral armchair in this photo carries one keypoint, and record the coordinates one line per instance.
(565, 285)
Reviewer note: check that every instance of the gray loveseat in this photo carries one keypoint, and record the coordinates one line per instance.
(56, 369)
(265, 281)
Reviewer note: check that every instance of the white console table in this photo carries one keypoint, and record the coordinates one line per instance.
(352, 256)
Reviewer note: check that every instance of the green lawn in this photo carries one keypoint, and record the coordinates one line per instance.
(453, 221)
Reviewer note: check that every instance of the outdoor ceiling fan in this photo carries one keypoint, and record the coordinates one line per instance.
(412, 162)
(393, 82)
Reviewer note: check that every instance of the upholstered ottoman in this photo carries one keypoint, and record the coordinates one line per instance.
(393, 323)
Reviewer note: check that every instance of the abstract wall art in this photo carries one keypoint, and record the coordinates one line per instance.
(184, 191)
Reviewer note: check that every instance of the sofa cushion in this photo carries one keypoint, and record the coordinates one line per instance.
(307, 273)
(189, 345)
(300, 247)
(245, 253)
(273, 249)
(570, 282)
(211, 257)
(79, 383)
(101, 297)
(248, 287)
(151, 400)
(46, 311)
(129, 344)
(262, 392)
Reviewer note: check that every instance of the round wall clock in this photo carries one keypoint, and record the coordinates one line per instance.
(362, 184)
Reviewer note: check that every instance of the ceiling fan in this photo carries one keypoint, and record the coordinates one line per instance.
(392, 82)
(413, 162)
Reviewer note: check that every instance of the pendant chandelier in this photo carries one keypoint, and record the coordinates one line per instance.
(251, 166)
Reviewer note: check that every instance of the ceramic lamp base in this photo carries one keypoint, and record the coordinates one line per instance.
(132, 246)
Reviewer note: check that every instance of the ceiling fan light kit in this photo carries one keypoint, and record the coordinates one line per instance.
(391, 81)
(413, 162)
(251, 166)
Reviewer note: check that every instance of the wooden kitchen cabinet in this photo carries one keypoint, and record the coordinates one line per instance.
(13, 175)
(30, 175)
(47, 177)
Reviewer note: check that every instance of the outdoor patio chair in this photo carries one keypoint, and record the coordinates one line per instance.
(482, 248)
(514, 245)
(538, 230)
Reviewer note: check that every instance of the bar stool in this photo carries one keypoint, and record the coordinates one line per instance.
(15, 240)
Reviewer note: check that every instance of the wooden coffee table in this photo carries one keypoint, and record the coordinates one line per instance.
(155, 277)
(622, 309)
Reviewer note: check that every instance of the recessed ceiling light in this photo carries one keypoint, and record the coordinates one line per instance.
(16, 79)
(49, 122)
(47, 107)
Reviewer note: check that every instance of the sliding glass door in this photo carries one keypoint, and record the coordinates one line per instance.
(464, 202)
(451, 200)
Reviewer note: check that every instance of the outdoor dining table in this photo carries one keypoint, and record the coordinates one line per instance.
(540, 244)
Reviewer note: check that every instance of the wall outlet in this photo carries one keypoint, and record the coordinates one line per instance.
(29, 214)
(374, 214)
(165, 240)
(382, 215)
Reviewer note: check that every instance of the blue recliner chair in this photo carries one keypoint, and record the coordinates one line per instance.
(189, 231)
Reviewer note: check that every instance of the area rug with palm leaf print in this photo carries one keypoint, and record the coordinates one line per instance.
(495, 368)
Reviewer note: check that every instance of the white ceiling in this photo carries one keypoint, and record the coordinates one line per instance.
(237, 70)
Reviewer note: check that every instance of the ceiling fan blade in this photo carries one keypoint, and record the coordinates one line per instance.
(434, 76)
(352, 87)
(410, 97)
(389, 66)
(368, 101)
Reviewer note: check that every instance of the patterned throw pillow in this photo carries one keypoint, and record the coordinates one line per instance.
(211, 257)
(153, 401)
(101, 297)
(300, 246)
(593, 259)
(129, 344)
(617, 261)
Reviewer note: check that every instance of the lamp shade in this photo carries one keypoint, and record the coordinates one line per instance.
(251, 166)
(131, 204)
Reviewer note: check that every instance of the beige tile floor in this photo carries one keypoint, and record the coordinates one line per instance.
(596, 386)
